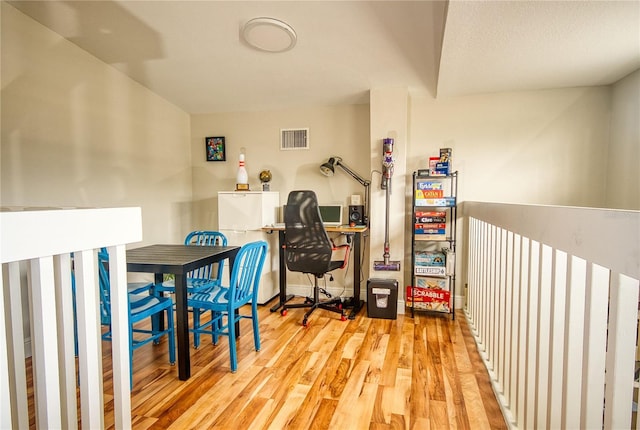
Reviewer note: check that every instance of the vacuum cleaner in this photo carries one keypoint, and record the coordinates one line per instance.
(387, 172)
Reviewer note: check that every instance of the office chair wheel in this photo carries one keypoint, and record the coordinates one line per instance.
(343, 317)
(305, 323)
(283, 312)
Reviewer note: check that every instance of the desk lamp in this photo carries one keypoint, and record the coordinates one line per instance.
(328, 169)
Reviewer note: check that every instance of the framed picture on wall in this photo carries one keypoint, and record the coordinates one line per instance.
(216, 150)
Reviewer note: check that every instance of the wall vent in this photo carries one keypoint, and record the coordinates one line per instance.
(294, 138)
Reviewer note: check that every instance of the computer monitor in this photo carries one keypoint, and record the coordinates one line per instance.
(331, 214)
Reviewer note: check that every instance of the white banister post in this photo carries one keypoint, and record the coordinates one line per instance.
(66, 351)
(15, 344)
(557, 380)
(595, 335)
(89, 340)
(620, 362)
(45, 343)
(5, 395)
(120, 336)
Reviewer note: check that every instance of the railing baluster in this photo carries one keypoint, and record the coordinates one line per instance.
(500, 302)
(15, 345)
(595, 337)
(515, 345)
(544, 335)
(509, 305)
(557, 377)
(89, 347)
(620, 352)
(45, 343)
(574, 343)
(524, 335)
(66, 350)
(120, 336)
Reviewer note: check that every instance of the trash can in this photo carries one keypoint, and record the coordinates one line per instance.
(382, 298)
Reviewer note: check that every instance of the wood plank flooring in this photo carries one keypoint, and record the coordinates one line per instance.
(408, 373)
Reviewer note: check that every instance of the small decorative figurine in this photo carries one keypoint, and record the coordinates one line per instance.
(242, 179)
(265, 177)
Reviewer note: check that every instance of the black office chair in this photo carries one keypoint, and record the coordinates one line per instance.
(308, 249)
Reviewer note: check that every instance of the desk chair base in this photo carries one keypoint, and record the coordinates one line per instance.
(333, 305)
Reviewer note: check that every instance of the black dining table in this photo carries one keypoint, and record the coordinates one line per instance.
(178, 260)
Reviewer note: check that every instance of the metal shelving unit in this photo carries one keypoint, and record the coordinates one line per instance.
(433, 248)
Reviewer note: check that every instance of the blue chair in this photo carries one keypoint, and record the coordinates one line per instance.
(141, 307)
(132, 288)
(203, 278)
(225, 302)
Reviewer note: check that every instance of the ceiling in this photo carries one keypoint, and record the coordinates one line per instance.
(191, 53)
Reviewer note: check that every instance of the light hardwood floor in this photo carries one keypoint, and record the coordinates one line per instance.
(408, 373)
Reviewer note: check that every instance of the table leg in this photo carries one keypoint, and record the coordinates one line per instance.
(182, 328)
(283, 297)
(157, 320)
(357, 270)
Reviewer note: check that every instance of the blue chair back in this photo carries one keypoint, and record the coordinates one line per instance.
(140, 306)
(206, 238)
(103, 278)
(246, 273)
(225, 303)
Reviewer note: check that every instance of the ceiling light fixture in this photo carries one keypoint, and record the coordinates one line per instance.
(269, 34)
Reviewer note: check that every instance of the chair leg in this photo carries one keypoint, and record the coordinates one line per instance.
(232, 343)
(216, 326)
(196, 328)
(256, 328)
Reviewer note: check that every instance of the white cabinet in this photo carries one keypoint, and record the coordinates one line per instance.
(241, 215)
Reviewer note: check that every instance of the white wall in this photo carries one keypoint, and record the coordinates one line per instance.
(76, 132)
(542, 147)
(333, 130)
(623, 173)
(389, 119)
(337, 130)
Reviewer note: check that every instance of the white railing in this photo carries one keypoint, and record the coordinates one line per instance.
(40, 243)
(552, 300)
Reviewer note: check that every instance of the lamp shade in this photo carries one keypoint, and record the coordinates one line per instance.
(327, 168)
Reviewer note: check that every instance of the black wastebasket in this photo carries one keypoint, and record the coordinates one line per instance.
(382, 298)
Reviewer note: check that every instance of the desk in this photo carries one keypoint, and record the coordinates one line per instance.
(178, 260)
(355, 303)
